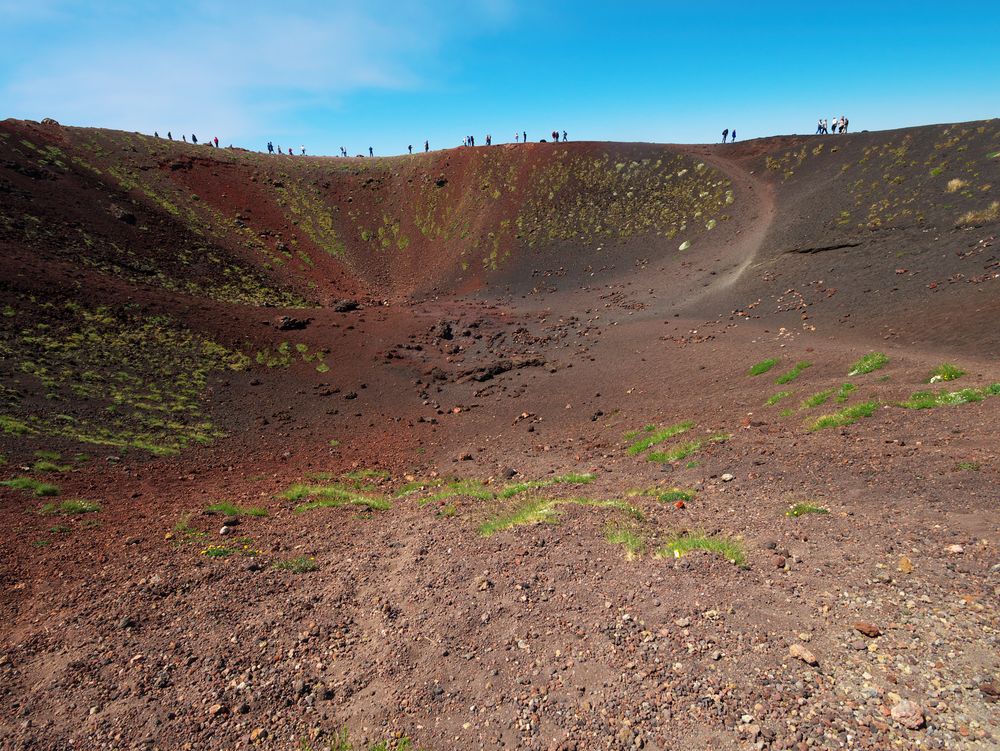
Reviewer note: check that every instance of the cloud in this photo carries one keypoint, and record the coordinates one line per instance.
(215, 66)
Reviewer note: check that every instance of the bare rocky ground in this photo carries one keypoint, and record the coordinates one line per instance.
(555, 615)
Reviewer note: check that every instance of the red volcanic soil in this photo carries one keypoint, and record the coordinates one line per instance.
(432, 380)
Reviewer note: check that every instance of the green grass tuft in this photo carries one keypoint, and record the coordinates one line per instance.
(523, 487)
(31, 485)
(676, 452)
(230, 509)
(817, 400)
(945, 372)
(633, 543)
(546, 510)
(869, 363)
(800, 509)
(658, 436)
(302, 564)
(70, 508)
(12, 426)
(727, 547)
(968, 466)
(763, 366)
(929, 400)
(775, 398)
(459, 488)
(845, 391)
(846, 416)
(43, 465)
(794, 373)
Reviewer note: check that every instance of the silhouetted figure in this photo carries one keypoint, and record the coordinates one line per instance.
(270, 147)
(427, 146)
(517, 138)
(472, 140)
(489, 140)
(410, 147)
(194, 138)
(371, 151)
(734, 136)
(725, 135)
(184, 138)
(290, 151)
(565, 137)
(303, 148)
(156, 134)
(555, 136)
(524, 136)
(843, 124)
(216, 142)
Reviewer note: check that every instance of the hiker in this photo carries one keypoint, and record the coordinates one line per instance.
(524, 136)
(216, 142)
(270, 147)
(371, 151)
(303, 148)
(170, 135)
(565, 137)
(725, 135)
(194, 138)
(410, 147)
(517, 138)
(555, 136)
(184, 138)
(427, 146)
(156, 134)
(843, 124)
(733, 136)
(290, 151)
(472, 140)
(489, 140)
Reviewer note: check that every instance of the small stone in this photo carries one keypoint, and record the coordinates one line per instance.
(858, 645)
(955, 549)
(257, 734)
(908, 714)
(728, 477)
(868, 629)
(905, 565)
(801, 653)
(226, 531)
(778, 561)
(682, 622)
(217, 710)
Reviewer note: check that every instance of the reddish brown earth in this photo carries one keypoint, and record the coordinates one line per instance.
(119, 632)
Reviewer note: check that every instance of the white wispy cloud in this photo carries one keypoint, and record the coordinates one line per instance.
(227, 68)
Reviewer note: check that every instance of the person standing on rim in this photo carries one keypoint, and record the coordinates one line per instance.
(524, 136)
(734, 135)
(427, 146)
(371, 151)
(725, 135)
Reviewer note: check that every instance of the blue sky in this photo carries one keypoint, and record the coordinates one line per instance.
(388, 74)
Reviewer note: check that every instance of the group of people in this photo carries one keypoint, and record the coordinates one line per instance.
(839, 125)
(194, 139)
(471, 141)
(726, 133)
(271, 149)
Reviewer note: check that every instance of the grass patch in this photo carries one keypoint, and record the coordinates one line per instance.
(929, 399)
(459, 488)
(331, 496)
(44, 465)
(675, 453)
(360, 475)
(817, 400)
(801, 509)
(70, 508)
(242, 546)
(184, 532)
(12, 426)
(869, 363)
(945, 372)
(974, 218)
(633, 543)
(301, 564)
(546, 510)
(416, 486)
(968, 466)
(658, 436)
(52, 456)
(846, 416)
(845, 391)
(31, 485)
(775, 398)
(763, 366)
(794, 373)
(230, 509)
(727, 547)
(523, 487)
